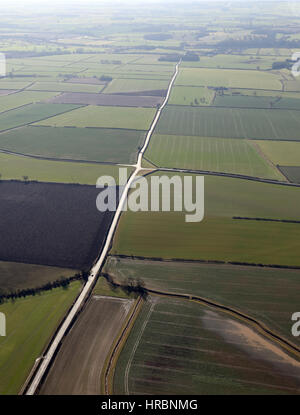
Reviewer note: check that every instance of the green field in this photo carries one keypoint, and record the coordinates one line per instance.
(134, 85)
(22, 98)
(230, 123)
(292, 173)
(180, 347)
(30, 323)
(270, 295)
(244, 101)
(188, 95)
(210, 154)
(93, 144)
(282, 153)
(32, 113)
(218, 236)
(65, 87)
(14, 275)
(16, 167)
(14, 85)
(106, 117)
(228, 78)
(232, 62)
(103, 288)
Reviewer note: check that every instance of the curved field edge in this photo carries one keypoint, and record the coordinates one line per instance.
(147, 360)
(248, 290)
(30, 324)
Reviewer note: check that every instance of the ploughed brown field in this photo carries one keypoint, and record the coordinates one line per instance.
(79, 363)
(51, 224)
(118, 100)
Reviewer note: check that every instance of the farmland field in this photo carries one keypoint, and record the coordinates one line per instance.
(134, 85)
(107, 99)
(230, 123)
(188, 95)
(226, 61)
(14, 167)
(267, 294)
(180, 347)
(79, 363)
(30, 323)
(244, 101)
(210, 154)
(106, 117)
(218, 236)
(228, 78)
(282, 153)
(14, 276)
(31, 113)
(292, 173)
(42, 224)
(93, 144)
(23, 98)
(64, 87)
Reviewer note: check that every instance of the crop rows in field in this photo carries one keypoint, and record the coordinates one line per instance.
(210, 154)
(267, 294)
(230, 123)
(180, 347)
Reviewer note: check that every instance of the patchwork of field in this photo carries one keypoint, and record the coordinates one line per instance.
(233, 62)
(32, 113)
(228, 78)
(181, 347)
(269, 295)
(43, 224)
(14, 85)
(14, 167)
(106, 99)
(79, 363)
(30, 323)
(210, 154)
(244, 101)
(282, 153)
(218, 236)
(64, 87)
(230, 123)
(92, 144)
(134, 85)
(16, 276)
(23, 98)
(189, 95)
(106, 117)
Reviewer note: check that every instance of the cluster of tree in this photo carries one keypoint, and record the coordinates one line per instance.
(62, 282)
(130, 286)
(190, 57)
(105, 78)
(258, 42)
(288, 63)
(170, 57)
